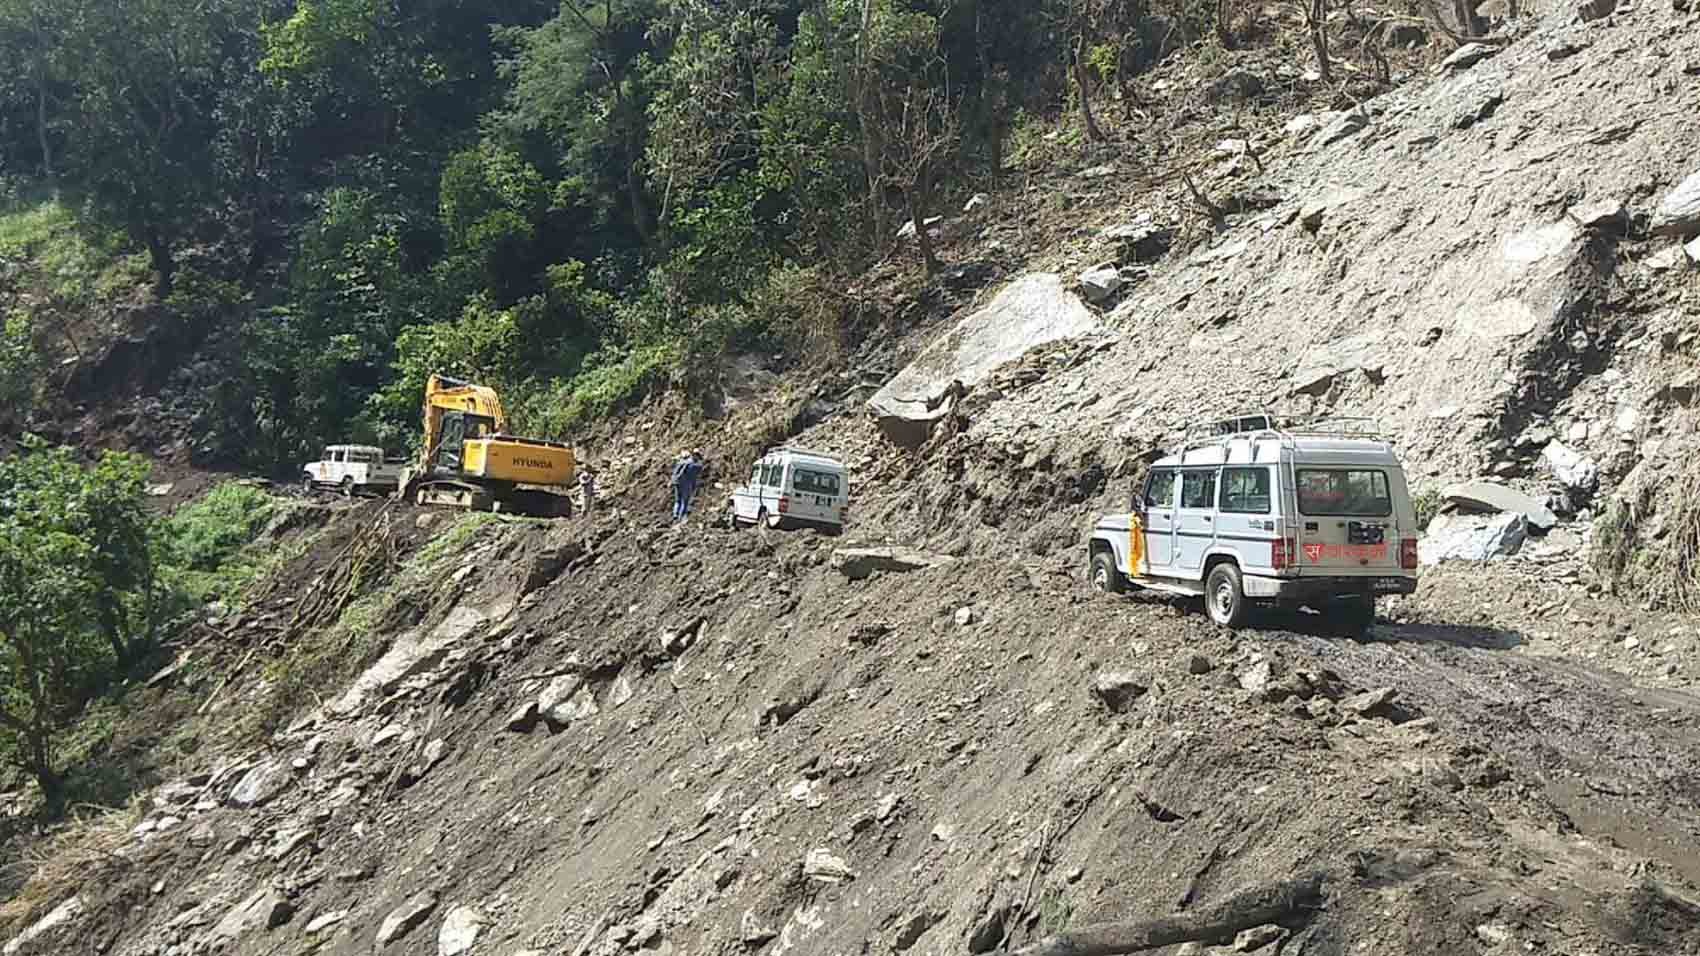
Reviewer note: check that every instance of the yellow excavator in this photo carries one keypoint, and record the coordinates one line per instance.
(469, 461)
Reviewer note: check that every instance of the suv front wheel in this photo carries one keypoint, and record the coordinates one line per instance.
(1224, 598)
(1105, 576)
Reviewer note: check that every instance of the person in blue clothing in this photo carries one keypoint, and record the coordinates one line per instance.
(685, 475)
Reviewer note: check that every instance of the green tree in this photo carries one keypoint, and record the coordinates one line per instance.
(77, 592)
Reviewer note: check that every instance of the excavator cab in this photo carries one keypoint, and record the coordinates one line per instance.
(457, 429)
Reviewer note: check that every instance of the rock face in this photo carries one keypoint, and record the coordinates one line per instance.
(1461, 537)
(1032, 311)
(859, 563)
(1487, 496)
(1679, 212)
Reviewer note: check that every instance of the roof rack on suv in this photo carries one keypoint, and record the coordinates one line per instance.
(1266, 424)
(800, 450)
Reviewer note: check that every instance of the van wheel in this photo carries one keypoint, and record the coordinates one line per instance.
(1224, 598)
(348, 486)
(1105, 577)
(732, 516)
(307, 485)
(772, 521)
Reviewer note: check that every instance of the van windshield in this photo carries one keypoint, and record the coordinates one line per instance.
(1351, 492)
(815, 482)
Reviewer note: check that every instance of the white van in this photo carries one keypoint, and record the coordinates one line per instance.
(352, 469)
(1316, 514)
(793, 487)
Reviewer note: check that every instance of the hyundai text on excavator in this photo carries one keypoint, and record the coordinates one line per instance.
(469, 461)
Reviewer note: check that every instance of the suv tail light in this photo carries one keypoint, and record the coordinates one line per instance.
(1408, 554)
(784, 505)
(1282, 554)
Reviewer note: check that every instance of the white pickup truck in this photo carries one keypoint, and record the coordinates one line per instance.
(352, 469)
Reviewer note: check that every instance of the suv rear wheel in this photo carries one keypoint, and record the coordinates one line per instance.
(1224, 598)
(1357, 613)
(1105, 576)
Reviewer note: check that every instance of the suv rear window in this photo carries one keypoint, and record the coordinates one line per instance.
(1359, 492)
(809, 482)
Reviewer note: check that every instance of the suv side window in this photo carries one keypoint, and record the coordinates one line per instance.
(1198, 489)
(770, 475)
(1245, 491)
(1160, 488)
(755, 474)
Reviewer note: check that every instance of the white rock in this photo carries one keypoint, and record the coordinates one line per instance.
(964, 616)
(325, 921)
(1628, 417)
(1571, 467)
(821, 865)
(908, 230)
(460, 930)
(1578, 432)
(1679, 212)
(1100, 282)
(261, 784)
(976, 201)
(1468, 55)
(405, 917)
(1301, 124)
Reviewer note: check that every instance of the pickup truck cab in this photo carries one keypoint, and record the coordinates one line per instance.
(1317, 515)
(352, 469)
(792, 488)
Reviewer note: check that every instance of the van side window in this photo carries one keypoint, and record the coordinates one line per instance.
(1160, 488)
(1198, 489)
(814, 482)
(755, 473)
(1245, 491)
(770, 475)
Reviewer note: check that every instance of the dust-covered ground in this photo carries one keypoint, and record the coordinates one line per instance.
(742, 749)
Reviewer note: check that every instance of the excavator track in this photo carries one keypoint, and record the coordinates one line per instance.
(469, 496)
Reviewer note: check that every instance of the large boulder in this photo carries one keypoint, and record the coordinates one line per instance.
(1472, 537)
(1489, 496)
(1032, 311)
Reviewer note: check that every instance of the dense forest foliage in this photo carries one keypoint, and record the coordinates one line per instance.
(565, 198)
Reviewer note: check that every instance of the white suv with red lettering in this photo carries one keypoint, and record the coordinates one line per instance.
(1256, 512)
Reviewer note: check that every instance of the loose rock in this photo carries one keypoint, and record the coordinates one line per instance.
(261, 784)
(859, 563)
(404, 918)
(1459, 537)
(1118, 690)
(1467, 56)
(754, 931)
(265, 909)
(460, 931)
(1488, 496)
(1257, 937)
(1199, 664)
(1100, 283)
(524, 718)
(821, 865)
(1679, 212)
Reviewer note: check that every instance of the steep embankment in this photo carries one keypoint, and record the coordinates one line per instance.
(602, 737)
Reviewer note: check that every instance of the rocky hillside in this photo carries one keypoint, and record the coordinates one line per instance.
(438, 735)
